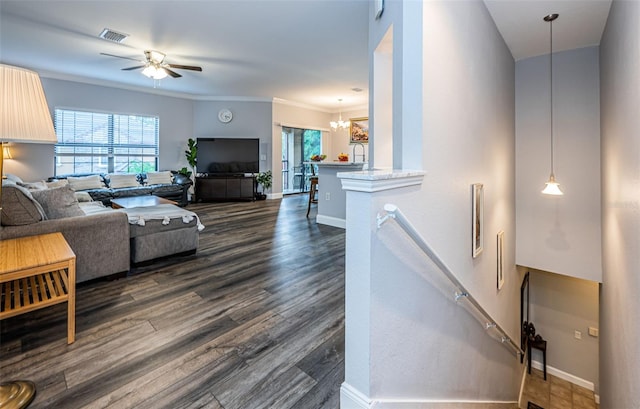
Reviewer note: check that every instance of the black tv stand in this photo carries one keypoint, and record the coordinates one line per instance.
(225, 187)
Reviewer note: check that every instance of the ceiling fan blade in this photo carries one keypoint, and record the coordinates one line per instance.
(133, 68)
(119, 56)
(185, 67)
(172, 73)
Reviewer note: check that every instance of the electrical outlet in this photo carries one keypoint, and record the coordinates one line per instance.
(263, 157)
(593, 331)
(327, 196)
(577, 334)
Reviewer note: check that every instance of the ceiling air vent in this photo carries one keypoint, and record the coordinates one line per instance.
(114, 36)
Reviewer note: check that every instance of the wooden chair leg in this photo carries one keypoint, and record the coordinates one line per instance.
(312, 193)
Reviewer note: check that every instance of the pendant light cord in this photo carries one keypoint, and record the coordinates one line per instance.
(551, 86)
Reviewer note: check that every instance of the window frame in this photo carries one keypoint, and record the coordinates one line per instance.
(106, 156)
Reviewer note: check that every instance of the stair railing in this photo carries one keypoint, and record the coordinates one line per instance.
(392, 212)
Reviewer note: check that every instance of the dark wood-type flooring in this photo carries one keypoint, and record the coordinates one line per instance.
(254, 320)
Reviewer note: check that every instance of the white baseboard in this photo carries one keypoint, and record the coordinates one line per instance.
(351, 398)
(564, 375)
(331, 221)
(271, 196)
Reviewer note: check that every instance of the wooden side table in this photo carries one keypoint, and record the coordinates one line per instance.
(37, 272)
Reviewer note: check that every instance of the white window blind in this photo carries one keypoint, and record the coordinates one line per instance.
(92, 142)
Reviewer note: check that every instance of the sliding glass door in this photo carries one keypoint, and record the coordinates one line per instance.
(298, 145)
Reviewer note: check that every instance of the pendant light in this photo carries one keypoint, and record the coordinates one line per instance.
(340, 124)
(552, 187)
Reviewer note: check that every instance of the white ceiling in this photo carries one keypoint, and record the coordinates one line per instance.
(305, 51)
(580, 24)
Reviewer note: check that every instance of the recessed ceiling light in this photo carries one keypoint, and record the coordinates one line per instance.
(114, 36)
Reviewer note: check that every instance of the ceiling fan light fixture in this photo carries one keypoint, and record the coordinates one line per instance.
(155, 56)
(155, 72)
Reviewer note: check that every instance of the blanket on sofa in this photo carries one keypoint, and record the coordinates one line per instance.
(164, 212)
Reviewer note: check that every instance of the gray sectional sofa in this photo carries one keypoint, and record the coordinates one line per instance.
(105, 241)
(174, 187)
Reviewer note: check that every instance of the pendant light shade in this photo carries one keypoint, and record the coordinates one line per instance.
(552, 187)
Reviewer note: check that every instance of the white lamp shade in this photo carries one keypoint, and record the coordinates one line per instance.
(24, 113)
(552, 187)
(6, 152)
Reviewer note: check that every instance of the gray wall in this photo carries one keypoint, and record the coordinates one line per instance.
(176, 122)
(559, 234)
(250, 120)
(559, 306)
(424, 346)
(620, 119)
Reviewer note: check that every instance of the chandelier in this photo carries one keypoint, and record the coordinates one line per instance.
(340, 124)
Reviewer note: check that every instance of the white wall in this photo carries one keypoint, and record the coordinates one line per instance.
(620, 120)
(560, 234)
(176, 123)
(340, 138)
(424, 346)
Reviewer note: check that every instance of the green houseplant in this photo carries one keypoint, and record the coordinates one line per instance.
(192, 159)
(192, 153)
(264, 179)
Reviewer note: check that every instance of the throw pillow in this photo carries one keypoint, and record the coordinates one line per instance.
(57, 183)
(123, 180)
(18, 206)
(13, 178)
(85, 182)
(84, 197)
(159, 178)
(59, 202)
(34, 185)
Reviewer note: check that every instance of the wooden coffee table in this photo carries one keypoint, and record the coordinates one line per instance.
(139, 201)
(36, 272)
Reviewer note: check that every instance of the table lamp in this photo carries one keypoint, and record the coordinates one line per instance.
(24, 118)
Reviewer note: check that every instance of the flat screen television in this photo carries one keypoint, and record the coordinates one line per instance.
(228, 156)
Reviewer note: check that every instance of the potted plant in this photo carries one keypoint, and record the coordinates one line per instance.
(192, 153)
(192, 159)
(185, 171)
(264, 179)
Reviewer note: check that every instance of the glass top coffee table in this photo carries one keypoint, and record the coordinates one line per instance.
(139, 201)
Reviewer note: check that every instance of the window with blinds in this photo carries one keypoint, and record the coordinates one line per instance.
(95, 142)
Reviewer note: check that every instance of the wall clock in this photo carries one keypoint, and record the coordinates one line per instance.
(225, 116)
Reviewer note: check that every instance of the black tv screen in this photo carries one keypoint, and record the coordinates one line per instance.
(228, 155)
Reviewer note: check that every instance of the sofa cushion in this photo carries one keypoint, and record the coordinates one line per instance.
(83, 197)
(57, 183)
(18, 206)
(13, 178)
(159, 178)
(86, 182)
(41, 185)
(130, 191)
(122, 180)
(59, 202)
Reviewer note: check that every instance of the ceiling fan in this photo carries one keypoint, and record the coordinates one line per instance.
(154, 65)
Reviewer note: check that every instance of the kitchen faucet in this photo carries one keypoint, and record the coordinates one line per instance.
(354, 151)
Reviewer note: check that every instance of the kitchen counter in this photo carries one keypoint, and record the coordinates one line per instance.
(332, 200)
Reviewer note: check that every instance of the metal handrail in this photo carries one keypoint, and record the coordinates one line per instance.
(392, 212)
